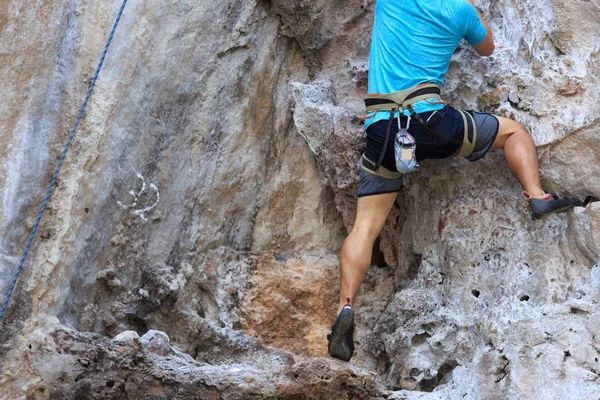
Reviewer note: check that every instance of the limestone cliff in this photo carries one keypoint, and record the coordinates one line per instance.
(190, 247)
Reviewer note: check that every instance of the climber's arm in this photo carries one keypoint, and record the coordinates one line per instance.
(486, 46)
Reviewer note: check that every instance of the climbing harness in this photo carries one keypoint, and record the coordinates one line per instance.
(60, 162)
(405, 144)
(382, 172)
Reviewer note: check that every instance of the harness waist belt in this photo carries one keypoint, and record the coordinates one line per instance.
(404, 100)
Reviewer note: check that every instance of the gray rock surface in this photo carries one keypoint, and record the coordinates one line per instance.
(190, 247)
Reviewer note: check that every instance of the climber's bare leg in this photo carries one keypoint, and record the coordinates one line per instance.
(356, 254)
(521, 155)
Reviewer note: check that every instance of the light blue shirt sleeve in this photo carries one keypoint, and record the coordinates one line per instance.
(474, 30)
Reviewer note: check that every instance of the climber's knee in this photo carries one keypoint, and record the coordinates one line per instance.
(506, 129)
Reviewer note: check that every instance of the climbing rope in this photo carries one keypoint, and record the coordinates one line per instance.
(60, 162)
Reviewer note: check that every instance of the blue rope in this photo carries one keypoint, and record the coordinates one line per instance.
(62, 158)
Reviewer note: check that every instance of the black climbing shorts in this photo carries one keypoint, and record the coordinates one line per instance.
(448, 122)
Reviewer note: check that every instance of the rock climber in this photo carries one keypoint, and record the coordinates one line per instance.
(412, 44)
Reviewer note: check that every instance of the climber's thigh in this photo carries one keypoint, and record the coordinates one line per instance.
(372, 211)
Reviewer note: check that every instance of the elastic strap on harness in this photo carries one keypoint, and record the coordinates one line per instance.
(382, 172)
(387, 139)
(470, 138)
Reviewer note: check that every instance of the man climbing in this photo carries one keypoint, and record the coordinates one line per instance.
(412, 44)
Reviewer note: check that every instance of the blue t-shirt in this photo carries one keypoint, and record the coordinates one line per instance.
(413, 42)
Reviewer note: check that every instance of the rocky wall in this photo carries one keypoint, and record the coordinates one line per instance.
(211, 185)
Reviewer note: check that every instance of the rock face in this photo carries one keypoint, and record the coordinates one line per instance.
(190, 247)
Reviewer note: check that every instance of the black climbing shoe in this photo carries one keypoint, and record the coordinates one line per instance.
(552, 203)
(341, 339)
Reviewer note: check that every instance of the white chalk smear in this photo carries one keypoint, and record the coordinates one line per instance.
(141, 212)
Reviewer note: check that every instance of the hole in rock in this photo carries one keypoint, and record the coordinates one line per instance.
(567, 354)
(325, 377)
(137, 324)
(414, 265)
(87, 210)
(377, 258)
(110, 384)
(430, 326)
(475, 292)
(443, 376)
(579, 311)
(524, 298)
(420, 339)
(445, 369)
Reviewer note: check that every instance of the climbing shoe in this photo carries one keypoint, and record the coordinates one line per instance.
(552, 203)
(341, 339)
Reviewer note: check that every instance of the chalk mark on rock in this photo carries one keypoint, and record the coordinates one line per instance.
(141, 212)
